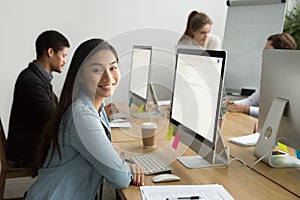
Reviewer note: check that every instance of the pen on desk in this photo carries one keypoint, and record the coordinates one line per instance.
(187, 198)
(192, 197)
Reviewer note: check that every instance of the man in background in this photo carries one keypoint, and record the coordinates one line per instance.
(250, 105)
(34, 100)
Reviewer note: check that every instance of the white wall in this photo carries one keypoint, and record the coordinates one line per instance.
(158, 23)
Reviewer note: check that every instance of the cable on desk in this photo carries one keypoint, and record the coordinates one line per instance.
(236, 159)
(272, 148)
(229, 160)
(227, 149)
(258, 160)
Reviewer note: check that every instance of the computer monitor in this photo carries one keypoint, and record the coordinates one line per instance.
(195, 106)
(139, 74)
(140, 87)
(279, 107)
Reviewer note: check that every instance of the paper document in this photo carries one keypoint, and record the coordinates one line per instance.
(171, 192)
(246, 140)
(120, 124)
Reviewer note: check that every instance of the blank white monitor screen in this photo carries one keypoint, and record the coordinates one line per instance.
(197, 91)
(139, 73)
(280, 78)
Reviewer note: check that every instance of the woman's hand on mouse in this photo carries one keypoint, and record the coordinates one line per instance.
(138, 174)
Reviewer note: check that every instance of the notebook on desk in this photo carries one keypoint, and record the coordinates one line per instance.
(246, 140)
(164, 102)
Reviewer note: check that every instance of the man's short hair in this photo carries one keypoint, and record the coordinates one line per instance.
(50, 39)
(283, 41)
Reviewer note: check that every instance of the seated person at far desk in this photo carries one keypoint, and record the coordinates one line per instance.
(250, 105)
(197, 32)
(75, 153)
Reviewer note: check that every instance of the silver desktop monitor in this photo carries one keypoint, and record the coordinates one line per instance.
(141, 91)
(196, 101)
(279, 106)
(139, 75)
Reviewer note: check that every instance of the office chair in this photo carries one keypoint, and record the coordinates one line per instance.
(8, 171)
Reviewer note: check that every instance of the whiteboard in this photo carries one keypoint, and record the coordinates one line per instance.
(248, 25)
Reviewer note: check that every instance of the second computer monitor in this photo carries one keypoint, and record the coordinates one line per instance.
(196, 99)
(279, 104)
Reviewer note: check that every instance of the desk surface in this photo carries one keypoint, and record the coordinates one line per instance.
(237, 124)
(241, 182)
(134, 133)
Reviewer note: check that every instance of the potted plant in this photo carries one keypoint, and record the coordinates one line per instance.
(292, 23)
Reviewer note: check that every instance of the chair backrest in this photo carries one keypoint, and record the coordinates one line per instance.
(2, 147)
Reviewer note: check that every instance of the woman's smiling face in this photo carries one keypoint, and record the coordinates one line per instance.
(101, 74)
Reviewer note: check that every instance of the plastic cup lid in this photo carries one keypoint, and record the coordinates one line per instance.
(149, 125)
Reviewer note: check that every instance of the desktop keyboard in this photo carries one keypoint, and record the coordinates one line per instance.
(154, 113)
(118, 115)
(151, 164)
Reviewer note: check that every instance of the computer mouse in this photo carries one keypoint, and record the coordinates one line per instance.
(165, 178)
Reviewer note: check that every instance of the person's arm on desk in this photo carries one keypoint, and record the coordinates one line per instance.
(236, 107)
(136, 170)
(250, 110)
(248, 106)
(138, 174)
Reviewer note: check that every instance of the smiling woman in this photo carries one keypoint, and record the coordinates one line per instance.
(101, 75)
(76, 153)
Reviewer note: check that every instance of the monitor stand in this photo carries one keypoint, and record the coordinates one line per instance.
(156, 112)
(268, 138)
(214, 158)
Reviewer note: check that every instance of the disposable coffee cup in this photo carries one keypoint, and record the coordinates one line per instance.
(148, 134)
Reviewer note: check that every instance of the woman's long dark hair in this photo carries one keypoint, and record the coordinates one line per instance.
(49, 137)
(191, 15)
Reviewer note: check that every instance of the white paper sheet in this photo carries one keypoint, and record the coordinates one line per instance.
(172, 192)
